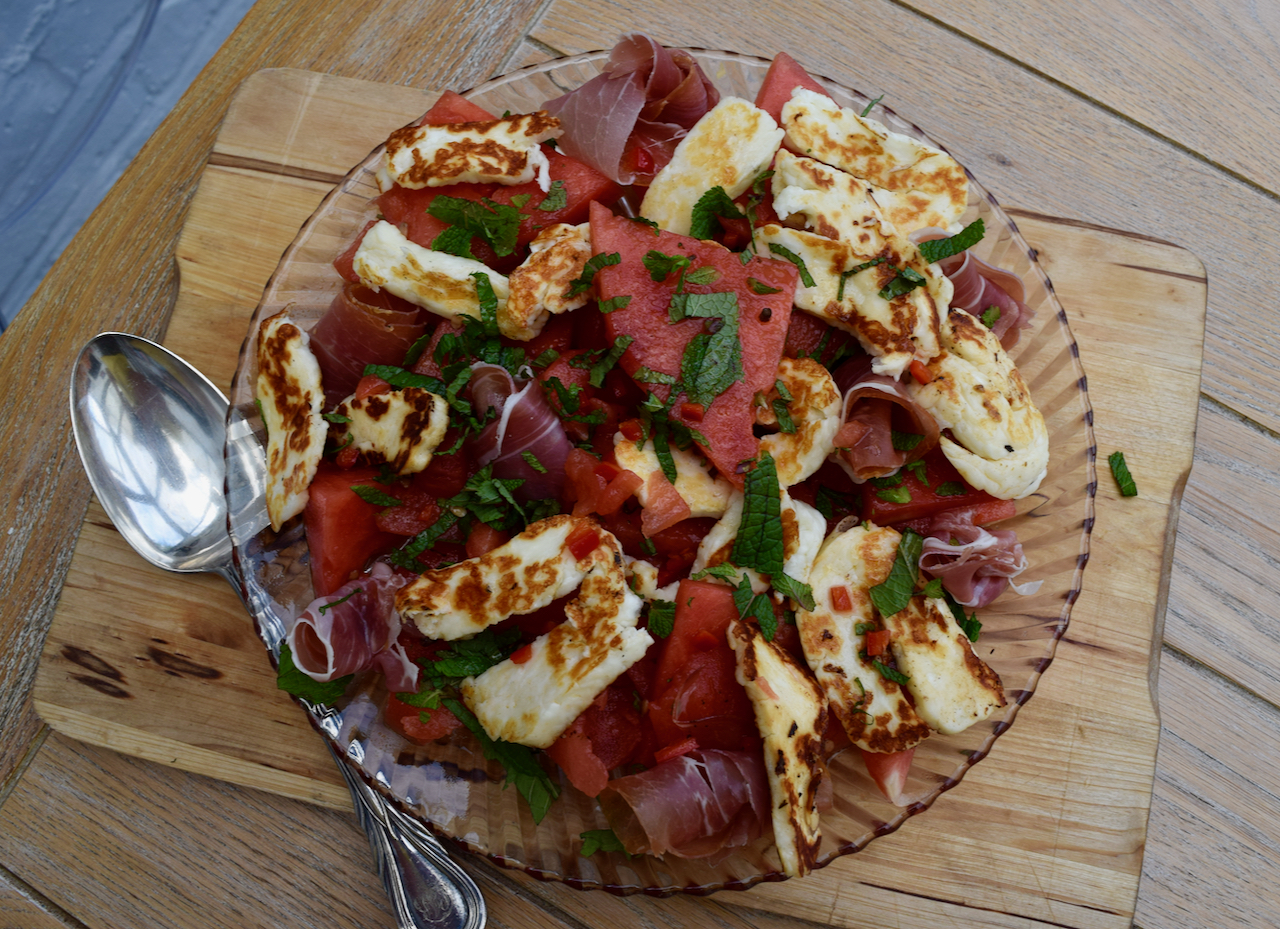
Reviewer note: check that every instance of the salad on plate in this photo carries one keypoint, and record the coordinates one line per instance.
(658, 441)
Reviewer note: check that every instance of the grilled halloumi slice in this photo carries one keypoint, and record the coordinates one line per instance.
(706, 494)
(532, 702)
(505, 151)
(916, 185)
(400, 428)
(728, 147)
(803, 528)
(437, 281)
(540, 286)
(846, 293)
(1001, 443)
(791, 714)
(291, 397)
(953, 687)
(815, 407)
(875, 712)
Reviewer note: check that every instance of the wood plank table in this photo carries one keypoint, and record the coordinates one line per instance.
(1142, 119)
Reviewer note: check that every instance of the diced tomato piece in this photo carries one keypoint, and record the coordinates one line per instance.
(675, 750)
(408, 721)
(782, 78)
(659, 345)
(622, 486)
(877, 642)
(583, 541)
(631, 430)
(584, 485)
(692, 412)
(483, 539)
(370, 386)
(665, 508)
(342, 529)
(347, 458)
(924, 497)
(920, 372)
(840, 601)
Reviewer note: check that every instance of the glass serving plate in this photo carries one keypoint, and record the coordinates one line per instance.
(449, 786)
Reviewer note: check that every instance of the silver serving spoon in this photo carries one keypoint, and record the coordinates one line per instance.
(150, 429)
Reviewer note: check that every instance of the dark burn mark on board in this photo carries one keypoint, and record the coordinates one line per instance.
(106, 688)
(177, 664)
(91, 662)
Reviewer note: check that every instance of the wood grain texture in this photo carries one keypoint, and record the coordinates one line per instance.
(1082, 844)
(118, 271)
(1224, 93)
(22, 908)
(1215, 794)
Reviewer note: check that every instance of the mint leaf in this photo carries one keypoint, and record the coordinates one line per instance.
(454, 240)
(1120, 471)
(532, 461)
(751, 605)
(614, 303)
(600, 840)
(783, 252)
(496, 223)
(867, 109)
(895, 593)
(520, 762)
(798, 591)
(759, 544)
(662, 618)
(704, 275)
(473, 656)
(557, 198)
(991, 316)
(488, 301)
(937, 249)
(375, 496)
(723, 571)
(715, 202)
(894, 495)
(968, 624)
(905, 441)
(933, 589)
(660, 265)
(761, 288)
(336, 417)
(520, 200)
(407, 556)
(888, 673)
(950, 489)
(294, 681)
(783, 415)
(583, 283)
(906, 281)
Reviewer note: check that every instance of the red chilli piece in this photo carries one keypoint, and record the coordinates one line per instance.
(582, 541)
(347, 458)
(631, 430)
(371, 385)
(921, 373)
(840, 601)
(522, 654)
(692, 412)
(877, 642)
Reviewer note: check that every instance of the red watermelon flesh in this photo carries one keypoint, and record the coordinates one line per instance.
(783, 77)
(659, 345)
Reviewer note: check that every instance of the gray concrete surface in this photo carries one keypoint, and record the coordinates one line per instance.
(83, 84)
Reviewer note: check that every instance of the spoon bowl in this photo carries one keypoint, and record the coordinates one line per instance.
(150, 429)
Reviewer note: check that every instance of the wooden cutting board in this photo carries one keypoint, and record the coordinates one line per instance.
(1050, 830)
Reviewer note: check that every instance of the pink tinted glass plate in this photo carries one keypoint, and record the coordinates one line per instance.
(450, 786)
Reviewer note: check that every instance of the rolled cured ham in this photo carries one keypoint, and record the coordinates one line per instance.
(626, 121)
(354, 629)
(865, 441)
(362, 327)
(979, 286)
(974, 563)
(692, 806)
(525, 425)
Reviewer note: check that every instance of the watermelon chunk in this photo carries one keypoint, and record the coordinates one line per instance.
(781, 80)
(659, 344)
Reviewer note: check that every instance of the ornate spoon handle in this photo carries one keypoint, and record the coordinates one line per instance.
(427, 889)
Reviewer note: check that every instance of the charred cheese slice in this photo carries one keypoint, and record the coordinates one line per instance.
(399, 428)
(541, 285)
(706, 494)
(437, 281)
(915, 184)
(728, 147)
(505, 151)
(815, 407)
(1001, 443)
(803, 528)
(791, 714)
(953, 687)
(875, 712)
(291, 397)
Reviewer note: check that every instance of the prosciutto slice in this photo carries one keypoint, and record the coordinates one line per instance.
(525, 423)
(979, 285)
(866, 438)
(691, 806)
(354, 629)
(974, 563)
(644, 101)
(362, 327)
